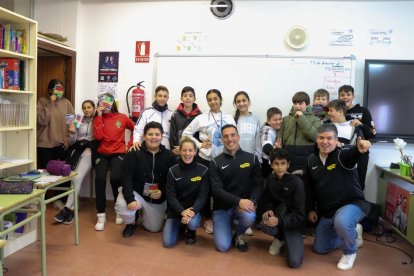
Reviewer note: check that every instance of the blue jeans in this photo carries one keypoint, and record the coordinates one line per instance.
(172, 229)
(338, 231)
(222, 223)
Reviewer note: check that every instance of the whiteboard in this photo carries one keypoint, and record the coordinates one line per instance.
(269, 80)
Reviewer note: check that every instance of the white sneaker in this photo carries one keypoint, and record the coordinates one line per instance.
(274, 248)
(359, 241)
(99, 226)
(119, 220)
(208, 226)
(249, 232)
(346, 262)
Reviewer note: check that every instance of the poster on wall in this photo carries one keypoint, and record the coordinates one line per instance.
(380, 37)
(108, 66)
(108, 73)
(397, 204)
(190, 42)
(142, 51)
(341, 37)
(108, 87)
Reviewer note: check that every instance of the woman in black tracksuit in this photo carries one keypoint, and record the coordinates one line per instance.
(186, 191)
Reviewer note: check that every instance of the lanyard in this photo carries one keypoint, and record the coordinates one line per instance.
(221, 120)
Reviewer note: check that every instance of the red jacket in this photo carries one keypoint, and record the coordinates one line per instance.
(109, 130)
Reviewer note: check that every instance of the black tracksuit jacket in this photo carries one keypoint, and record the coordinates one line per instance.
(334, 184)
(288, 191)
(234, 178)
(187, 186)
(140, 167)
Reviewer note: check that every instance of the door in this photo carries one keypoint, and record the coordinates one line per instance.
(49, 67)
(55, 62)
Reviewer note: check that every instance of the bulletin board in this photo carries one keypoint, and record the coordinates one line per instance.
(269, 80)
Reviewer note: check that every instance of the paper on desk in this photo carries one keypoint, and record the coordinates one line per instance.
(47, 179)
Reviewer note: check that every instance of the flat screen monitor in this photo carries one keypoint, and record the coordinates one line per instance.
(389, 96)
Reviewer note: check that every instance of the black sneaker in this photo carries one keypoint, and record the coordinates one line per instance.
(190, 236)
(61, 215)
(69, 217)
(240, 243)
(129, 230)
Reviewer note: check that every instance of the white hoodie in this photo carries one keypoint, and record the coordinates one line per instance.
(151, 114)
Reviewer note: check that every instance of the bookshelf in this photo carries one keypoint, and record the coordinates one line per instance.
(18, 110)
(18, 102)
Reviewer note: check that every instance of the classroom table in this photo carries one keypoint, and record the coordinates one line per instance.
(66, 191)
(14, 202)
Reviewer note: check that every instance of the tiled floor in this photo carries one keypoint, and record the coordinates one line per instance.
(108, 253)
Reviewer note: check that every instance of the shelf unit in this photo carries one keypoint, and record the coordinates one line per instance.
(387, 198)
(18, 143)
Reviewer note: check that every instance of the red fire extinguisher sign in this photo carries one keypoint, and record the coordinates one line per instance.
(142, 51)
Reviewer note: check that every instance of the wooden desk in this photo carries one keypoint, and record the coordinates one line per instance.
(66, 191)
(390, 184)
(10, 203)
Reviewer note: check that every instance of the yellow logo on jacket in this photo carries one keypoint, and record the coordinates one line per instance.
(197, 178)
(331, 167)
(244, 165)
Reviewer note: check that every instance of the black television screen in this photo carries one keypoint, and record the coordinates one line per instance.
(389, 96)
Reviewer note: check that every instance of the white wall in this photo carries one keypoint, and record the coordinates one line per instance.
(57, 17)
(255, 27)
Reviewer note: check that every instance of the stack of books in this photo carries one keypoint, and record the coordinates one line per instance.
(12, 39)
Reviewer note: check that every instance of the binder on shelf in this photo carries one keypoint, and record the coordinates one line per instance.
(22, 76)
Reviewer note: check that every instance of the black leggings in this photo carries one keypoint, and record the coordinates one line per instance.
(102, 164)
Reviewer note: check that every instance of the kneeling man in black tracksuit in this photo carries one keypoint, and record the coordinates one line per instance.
(236, 182)
(334, 195)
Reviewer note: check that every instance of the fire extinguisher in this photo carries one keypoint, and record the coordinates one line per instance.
(138, 95)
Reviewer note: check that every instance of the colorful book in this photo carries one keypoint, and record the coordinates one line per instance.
(106, 101)
(69, 118)
(19, 39)
(6, 37)
(1, 35)
(12, 40)
(1, 78)
(12, 72)
(24, 42)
